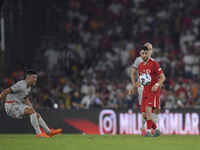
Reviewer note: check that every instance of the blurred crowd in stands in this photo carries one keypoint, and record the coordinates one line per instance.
(85, 57)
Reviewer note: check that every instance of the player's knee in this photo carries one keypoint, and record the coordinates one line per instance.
(144, 115)
(31, 111)
(157, 111)
(38, 115)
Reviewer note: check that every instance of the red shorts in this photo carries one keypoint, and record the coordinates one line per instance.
(150, 100)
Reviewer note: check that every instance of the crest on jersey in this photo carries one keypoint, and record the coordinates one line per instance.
(148, 71)
(15, 88)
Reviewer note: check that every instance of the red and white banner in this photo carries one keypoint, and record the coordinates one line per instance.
(106, 121)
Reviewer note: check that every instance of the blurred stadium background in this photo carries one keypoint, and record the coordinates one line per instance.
(83, 51)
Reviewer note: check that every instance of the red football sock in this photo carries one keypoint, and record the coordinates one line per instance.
(154, 125)
(149, 124)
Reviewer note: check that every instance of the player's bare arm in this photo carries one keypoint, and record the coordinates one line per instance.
(160, 82)
(132, 90)
(5, 93)
(27, 102)
(133, 72)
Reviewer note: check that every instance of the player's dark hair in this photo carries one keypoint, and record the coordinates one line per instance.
(145, 48)
(30, 72)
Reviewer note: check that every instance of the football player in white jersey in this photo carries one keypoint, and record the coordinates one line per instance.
(156, 112)
(17, 104)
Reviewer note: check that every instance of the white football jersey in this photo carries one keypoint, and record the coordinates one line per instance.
(20, 91)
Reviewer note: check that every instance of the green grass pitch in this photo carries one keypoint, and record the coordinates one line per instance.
(98, 142)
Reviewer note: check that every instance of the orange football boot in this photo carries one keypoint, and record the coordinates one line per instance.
(143, 131)
(152, 131)
(42, 135)
(54, 132)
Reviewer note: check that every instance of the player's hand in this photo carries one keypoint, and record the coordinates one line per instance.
(132, 90)
(162, 85)
(154, 88)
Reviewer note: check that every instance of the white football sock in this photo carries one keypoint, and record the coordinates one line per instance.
(34, 122)
(143, 122)
(155, 118)
(149, 130)
(43, 125)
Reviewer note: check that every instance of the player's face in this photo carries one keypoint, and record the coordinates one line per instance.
(144, 55)
(150, 49)
(32, 79)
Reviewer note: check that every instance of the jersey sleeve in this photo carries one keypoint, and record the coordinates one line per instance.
(158, 69)
(136, 63)
(16, 88)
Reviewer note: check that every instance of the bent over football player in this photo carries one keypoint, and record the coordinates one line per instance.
(17, 104)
